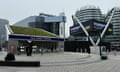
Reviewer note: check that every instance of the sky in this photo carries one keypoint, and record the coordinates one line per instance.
(16, 10)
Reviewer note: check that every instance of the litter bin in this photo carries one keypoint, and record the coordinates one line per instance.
(104, 53)
(104, 56)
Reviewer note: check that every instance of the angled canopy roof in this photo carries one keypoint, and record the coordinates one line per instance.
(31, 31)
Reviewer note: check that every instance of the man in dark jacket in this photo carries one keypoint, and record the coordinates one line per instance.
(29, 50)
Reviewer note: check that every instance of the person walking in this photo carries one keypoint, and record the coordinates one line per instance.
(18, 50)
(30, 52)
(113, 48)
(89, 51)
(27, 50)
(41, 51)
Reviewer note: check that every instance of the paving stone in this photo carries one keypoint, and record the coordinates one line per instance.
(67, 62)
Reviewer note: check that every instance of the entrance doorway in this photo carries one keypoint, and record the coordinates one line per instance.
(47, 46)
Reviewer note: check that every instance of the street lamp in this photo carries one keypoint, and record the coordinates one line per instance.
(100, 47)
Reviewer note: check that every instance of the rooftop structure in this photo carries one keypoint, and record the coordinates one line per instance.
(89, 12)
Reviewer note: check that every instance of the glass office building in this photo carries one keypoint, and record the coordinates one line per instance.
(3, 30)
(89, 12)
(50, 23)
(92, 12)
(115, 37)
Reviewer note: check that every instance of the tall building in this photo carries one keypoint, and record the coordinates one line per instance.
(25, 22)
(3, 23)
(89, 12)
(115, 37)
(3, 31)
(88, 16)
(48, 22)
(93, 21)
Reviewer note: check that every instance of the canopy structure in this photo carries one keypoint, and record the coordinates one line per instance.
(31, 31)
(22, 36)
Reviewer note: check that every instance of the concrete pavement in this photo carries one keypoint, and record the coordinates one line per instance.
(67, 62)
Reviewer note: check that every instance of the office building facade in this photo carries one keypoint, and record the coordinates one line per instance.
(115, 37)
(50, 23)
(88, 13)
(85, 15)
(3, 31)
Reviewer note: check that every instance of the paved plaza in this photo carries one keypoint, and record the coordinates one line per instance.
(66, 62)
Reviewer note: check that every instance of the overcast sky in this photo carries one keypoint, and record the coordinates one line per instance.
(15, 10)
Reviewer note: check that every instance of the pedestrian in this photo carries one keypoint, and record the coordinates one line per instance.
(113, 48)
(41, 51)
(27, 50)
(12, 48)
(89, 51)
(104, 49)
(77, 49)
(18, 50)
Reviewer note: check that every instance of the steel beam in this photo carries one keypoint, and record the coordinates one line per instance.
(106, 26)
(83, 28)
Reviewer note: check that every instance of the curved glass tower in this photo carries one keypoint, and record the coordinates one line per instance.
(115, 38)
(89, 12)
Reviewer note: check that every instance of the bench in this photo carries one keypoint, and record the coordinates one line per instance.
(20, 63)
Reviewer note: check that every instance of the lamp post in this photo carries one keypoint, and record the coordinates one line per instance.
(62, 28)
(100, 47)
(102, 55)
